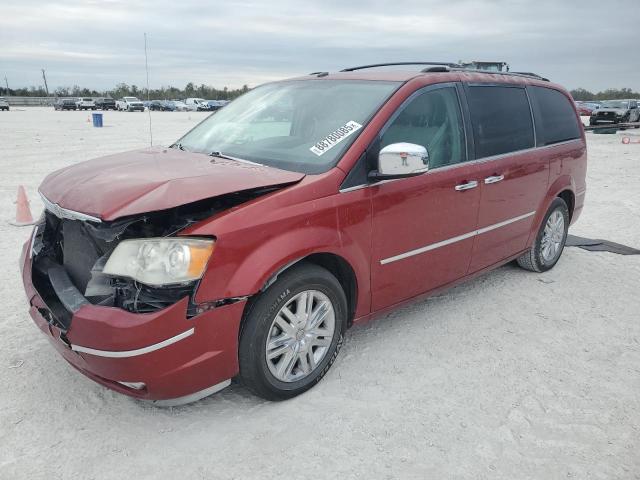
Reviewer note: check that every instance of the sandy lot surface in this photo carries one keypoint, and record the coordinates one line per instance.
(513, 375)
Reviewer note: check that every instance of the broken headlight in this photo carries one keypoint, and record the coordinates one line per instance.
(160, 261)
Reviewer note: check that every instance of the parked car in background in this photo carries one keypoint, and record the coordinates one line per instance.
(616, 111)
(200, 104)
(592, 105)
(585, 109)
(250, 246)
(85, 103)
(4, 105)
(180, 106)
(65, 104)
(105, 104)
(155, 105)
(217, 104)
(129, 104)
(168, 105)
(161, 105)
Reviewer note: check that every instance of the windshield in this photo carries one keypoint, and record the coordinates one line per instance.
(302, 126)
(131, 99)
(615, 104)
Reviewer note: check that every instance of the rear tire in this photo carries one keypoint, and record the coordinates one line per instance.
(549, 243)
(292, 332)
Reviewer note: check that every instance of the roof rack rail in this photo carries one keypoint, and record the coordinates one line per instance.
(320, 74)
(442, 67)
(393, 64)
(437, 68)
(490, 72)
(531, 74)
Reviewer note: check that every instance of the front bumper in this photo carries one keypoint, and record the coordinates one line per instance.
(174, 357)
(606, 119)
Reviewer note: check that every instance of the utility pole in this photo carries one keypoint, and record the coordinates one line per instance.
(44, 77)
(6, 82)
(146, 67)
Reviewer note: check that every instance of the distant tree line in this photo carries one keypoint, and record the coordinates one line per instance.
(212, 93)
(610, 94)
(123, 90)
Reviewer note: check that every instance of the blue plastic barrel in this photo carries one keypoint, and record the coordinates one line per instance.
(97, 119)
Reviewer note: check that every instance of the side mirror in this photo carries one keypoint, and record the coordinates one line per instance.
(400, 160)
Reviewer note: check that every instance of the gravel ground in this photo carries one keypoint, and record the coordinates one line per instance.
(512, 375)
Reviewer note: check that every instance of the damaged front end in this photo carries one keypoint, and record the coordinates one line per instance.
(69, 255)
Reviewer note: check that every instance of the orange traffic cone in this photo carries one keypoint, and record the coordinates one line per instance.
(23, 212)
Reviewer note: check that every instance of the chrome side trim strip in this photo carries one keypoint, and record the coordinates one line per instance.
(459, 238)
(505, 223)
(133, 353)
(433, 246)
(61, 212)
(356, 187)
(194, 397)
(579, 194)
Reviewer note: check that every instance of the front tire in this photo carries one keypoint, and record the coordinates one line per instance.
(292, 332)
(549, 242)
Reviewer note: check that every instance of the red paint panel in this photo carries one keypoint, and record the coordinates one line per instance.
(151, 180)
(526, 177)
(412, 213)
(257, 240)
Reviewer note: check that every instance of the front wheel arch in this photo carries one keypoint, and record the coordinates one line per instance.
(338, 267)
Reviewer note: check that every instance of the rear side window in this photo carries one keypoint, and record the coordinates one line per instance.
(556, 120)
(501, 119)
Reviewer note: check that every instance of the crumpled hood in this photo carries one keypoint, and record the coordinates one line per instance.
(153, 179)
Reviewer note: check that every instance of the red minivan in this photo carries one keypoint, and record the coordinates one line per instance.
(248, 247)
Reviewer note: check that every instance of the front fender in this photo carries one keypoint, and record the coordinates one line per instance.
(276, 253)
(255, 243)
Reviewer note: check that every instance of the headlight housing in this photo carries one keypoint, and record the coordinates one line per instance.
(160, 261)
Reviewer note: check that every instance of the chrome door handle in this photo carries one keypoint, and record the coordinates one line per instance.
(494, 179)
(466, 186)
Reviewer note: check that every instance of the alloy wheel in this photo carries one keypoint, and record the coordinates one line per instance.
(552, 237)
(300, 336)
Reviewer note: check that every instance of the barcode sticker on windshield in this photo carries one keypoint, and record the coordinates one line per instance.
(335, 137)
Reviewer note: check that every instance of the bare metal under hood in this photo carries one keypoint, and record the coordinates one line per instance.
(153, 179)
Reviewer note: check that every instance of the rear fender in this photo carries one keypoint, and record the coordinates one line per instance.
(563, 182)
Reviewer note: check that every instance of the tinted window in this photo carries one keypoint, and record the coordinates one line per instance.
(501, 120)
(556, 120)
(433, 120)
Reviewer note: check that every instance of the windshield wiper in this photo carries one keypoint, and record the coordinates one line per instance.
(178, 146)
(219, 154)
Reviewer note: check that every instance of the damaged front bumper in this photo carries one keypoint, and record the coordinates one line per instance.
(166, 355)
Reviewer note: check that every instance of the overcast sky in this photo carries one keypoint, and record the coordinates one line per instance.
(93, 43)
